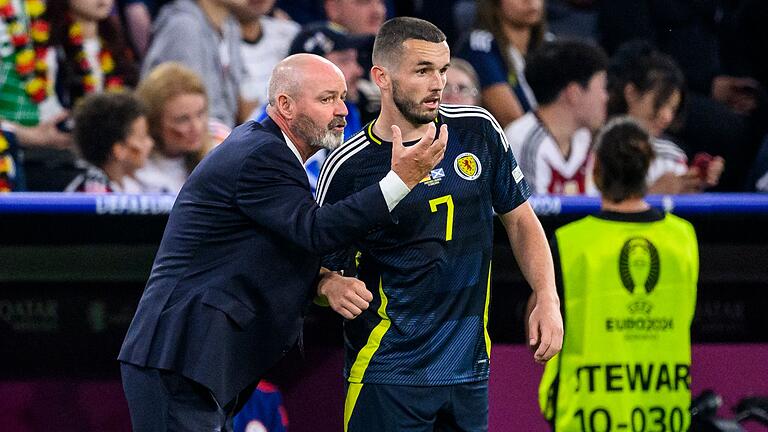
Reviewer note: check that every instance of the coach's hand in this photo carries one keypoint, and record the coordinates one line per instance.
(545, 328)
(347, 296)
(413, 163)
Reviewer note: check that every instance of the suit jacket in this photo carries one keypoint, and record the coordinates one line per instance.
(237, 263)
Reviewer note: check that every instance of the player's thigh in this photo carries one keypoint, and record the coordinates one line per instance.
(467, 410)
(379, 407)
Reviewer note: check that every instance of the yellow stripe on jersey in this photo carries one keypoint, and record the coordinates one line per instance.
(370, 133)
(485, 314)
(374, 340)
(353, 392)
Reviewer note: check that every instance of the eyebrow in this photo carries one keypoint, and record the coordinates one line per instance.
(429, 63)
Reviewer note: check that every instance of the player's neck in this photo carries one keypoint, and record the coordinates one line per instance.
(560, 123)
(388, 117)
(631, 205)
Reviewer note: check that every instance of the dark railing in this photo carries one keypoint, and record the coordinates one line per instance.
(72, 267)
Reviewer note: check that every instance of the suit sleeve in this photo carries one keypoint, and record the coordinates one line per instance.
(273, 191)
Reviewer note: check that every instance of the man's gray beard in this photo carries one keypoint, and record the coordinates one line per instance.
(331, 140)
(315, 136)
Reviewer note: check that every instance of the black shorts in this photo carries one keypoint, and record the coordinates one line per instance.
(382, 407)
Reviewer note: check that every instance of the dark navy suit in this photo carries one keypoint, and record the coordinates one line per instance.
(238, 261)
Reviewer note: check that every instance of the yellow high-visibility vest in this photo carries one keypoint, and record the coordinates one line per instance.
(629, 294)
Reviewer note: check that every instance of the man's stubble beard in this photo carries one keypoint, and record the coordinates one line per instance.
(408, 108)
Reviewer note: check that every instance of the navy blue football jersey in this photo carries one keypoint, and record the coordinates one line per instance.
(430, 272)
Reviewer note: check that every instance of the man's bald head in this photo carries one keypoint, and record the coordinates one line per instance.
(295, 72)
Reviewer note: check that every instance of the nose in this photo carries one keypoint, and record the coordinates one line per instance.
(340, 108)
(438, 81)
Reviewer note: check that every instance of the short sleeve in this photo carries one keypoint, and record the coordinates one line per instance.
(509, 188)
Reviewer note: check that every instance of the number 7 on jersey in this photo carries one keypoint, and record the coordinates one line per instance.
(448, 201)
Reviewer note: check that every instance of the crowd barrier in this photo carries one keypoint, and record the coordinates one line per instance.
(153, 204)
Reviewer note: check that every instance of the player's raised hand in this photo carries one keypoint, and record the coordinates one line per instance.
(545, 329)
(347, 296)
(413, 163)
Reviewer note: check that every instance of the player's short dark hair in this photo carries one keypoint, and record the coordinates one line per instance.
(554, 65)
(388, 46)
(101, 120)
(623, 154)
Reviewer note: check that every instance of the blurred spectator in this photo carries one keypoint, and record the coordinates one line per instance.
(573, 18)
(552, 144)
(266, 41)
(204, 36)
(453, 17)
(503, 34)
(23, 85)
(177, 113)
(616, 272)
(136, 17)
(709, 44)
(758, 179)
(11, 170)
(88, 53)
(311, 11)
(649, 86)
(264, 411)
(340, 48)
(111, 133)
(462, 86)
(361, 18)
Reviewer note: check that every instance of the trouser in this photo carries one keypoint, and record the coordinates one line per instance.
(165, 401)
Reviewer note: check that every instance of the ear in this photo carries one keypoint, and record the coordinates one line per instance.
(285, 105)
(381, 77)
(572, 92)
(119, 151)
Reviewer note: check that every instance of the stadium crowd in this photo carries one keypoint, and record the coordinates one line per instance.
(691, 72)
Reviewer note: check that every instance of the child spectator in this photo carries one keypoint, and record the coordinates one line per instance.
(111, 133)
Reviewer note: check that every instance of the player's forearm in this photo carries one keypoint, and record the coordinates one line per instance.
(529, 244)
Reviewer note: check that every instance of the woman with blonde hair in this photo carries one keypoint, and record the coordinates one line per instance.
(177, 112)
